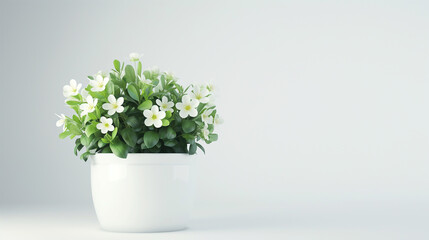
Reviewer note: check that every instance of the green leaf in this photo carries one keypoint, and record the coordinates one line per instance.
(74, 129)
(192, 148)
(91, 129)
(133, 121)
(129, 136)
(139, 68)
(115, 131)
(132, 91)
(85, 156)
(110, 88)
(201, 147)
(170, 143)
(117, 65)
(101, 143)
(119, 82)
(145, 105)
(85, 140)
(77, 148)
(150, 139)
(64, 134)
(168, 114)
(72, 103)
(188, 126)
(130, 75)
(213, 137)
(106, 149)
(119, 148)
(165, 122)
(167, 133)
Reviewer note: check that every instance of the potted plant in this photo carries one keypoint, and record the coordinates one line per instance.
(140, 129)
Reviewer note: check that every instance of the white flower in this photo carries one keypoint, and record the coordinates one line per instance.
(145, 81)
(211, 101)
(153, 117)
(72, 89)
(210, 86)
(114, 106)
(206, 116)
(187, 107)
(158, 88)
(105, 125)
(84, 93)
(165, 105)
(154, 71)
(61, 121)
(205, 132)
(134, 57)
(89, 106)
(200, 93)
(99, 83)
(218, 120)
(170, 76)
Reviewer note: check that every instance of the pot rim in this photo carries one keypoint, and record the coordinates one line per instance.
(143, 159)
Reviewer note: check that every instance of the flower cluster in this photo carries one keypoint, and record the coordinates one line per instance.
(133, 111)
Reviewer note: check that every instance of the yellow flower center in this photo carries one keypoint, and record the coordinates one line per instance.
(154, 117)
(115, 106)
(106, 125)
(188, 107)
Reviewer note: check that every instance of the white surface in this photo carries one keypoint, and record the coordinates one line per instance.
(299, 223)
(325, 106)
(143, 193)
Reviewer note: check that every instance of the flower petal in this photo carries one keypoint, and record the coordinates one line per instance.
(120, 101)
(147, 113)
(183, 113)
(111, 99)
(148, 122)
(107, 106)
(157, 123)
(193, 112)
(109, 121)
(158, 102)
(161, 115)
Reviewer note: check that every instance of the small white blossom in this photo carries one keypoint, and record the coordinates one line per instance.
(84, 93)
(61, 121)
(205, 132)
(134, 57)
(218, 120)
(72, 89)
(153, 117)
(158, 88)
(200, 93)
(165, 105)
(99, 84)
(89, 106)
(144, 80)
(211, 101)
(170, 76)
(211, 87)
(206, 116)
(114, 106)
(105, 125)
(187, 107)
(154, 71)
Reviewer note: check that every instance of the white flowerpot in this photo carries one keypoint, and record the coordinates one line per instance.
(142, 193)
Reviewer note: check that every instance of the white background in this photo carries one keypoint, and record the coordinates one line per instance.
(325, 107)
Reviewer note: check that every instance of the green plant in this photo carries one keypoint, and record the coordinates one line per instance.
(133, 111)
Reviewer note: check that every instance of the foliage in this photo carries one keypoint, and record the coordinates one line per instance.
(131, 110)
